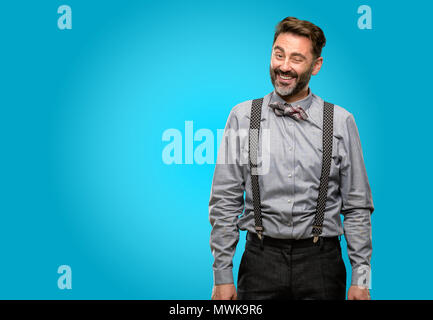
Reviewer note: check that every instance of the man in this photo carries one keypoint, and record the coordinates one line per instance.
(285, 257)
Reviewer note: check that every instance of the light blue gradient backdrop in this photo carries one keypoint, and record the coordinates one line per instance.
(82, 116)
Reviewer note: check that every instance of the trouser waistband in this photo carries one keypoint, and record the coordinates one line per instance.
(294, 243)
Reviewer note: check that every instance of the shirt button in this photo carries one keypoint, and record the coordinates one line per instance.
(289, 201)
(290, 148)
(289, 175)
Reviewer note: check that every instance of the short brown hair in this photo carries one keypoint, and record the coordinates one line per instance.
(305, 29)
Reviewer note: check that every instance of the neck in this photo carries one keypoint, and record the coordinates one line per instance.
(300, 95)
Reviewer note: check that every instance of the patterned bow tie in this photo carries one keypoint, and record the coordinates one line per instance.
(286, 109)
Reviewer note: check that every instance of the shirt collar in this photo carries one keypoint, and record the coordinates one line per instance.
(305, 103)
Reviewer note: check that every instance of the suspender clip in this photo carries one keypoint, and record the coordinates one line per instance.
(317, 230)
(260, 235)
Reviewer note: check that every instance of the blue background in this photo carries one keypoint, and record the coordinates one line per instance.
(82, 181)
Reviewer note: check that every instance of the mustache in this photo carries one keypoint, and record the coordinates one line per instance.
(286, 74)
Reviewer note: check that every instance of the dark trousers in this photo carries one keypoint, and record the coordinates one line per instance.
(291, 269)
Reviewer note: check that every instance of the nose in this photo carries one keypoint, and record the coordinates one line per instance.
(285, 66)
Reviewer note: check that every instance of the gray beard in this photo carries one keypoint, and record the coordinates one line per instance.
(285, 92)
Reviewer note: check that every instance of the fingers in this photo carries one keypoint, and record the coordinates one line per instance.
(235, 296)
(358, 293)
(224, 292)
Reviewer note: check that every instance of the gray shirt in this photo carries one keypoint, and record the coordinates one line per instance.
(289, 174)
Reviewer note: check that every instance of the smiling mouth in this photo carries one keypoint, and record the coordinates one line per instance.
(286, 79)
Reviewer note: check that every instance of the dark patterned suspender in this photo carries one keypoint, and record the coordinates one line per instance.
(328, 128)
(254, 134)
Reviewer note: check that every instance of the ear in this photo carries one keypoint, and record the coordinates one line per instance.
(317, 65)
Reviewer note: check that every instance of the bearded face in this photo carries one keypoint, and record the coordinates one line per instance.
(292, 65)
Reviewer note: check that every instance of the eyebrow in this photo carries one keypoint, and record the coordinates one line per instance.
(278, 48)
(294, 54)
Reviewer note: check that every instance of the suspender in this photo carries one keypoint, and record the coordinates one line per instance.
(254, 134)
(328, 127)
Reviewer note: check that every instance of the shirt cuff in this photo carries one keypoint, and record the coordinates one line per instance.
(223, 276)
(361, 276)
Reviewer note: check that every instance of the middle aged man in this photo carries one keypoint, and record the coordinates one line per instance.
(311, 170)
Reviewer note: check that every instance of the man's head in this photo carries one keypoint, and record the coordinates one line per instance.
(295, 56)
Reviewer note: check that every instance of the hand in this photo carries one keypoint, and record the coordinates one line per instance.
(358, 293)
(224, 292)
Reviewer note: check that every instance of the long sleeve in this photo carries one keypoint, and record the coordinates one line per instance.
(357, 205)
(226, 202)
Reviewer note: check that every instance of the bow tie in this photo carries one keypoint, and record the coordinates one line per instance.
(286, 109)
